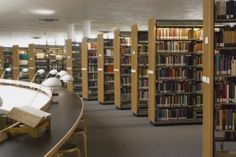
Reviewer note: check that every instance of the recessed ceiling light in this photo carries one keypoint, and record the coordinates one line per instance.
(43, 11)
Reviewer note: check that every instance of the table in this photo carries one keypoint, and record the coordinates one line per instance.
(65, 117)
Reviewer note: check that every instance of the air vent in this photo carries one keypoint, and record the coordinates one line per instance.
(49, 20)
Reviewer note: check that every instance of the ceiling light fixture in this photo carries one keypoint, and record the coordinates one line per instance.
(43, 12)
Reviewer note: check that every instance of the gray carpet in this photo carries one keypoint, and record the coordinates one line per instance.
(115, 133)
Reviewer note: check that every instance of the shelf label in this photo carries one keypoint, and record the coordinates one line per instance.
(206, 40)
(84, 69)
(133, 71)
(150, 72)
(206, 79)
(100, 69)
(116, 70)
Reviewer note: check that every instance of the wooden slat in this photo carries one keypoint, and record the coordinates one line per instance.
(134, 67)
(101, 68)
(84, 58)
(69, 62)
(117, 67)
(31, 61)
(152, 69)
(1, 61)
(208, 90)
(15, 63)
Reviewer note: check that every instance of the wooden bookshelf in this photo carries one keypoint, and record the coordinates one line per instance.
(47, 57)
(89, 69)
(73, 51)
(69, 62)
(122, 69)
(7, 61)
(105, 70)
(219, 119)
(15, 64)
(139, 67)
(1, 61)
(31, 61)
(174, 72)
(20, 61)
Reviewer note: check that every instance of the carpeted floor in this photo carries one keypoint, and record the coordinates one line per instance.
(115, 133)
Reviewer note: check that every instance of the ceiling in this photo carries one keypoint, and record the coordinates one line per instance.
(18, 24)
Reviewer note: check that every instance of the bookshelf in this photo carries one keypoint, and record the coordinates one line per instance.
(1, 61)
(31, 64)
(73, 51)
(21, 61)
(89, 69)
(219, 123)
(105, 70)
(7, 61)
(174, 72)
(139, 68)
(15, 63)
(122, 69)
(48, 57)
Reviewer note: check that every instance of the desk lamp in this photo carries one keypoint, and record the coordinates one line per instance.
(23, 71)
(6, 70)
(39, 72)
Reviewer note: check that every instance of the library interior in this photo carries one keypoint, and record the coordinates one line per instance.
(102, 78)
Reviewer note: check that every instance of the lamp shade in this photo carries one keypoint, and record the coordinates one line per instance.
(67, 78)
(53, 72)
(41, 71)
(52, 82)
(62, 73)
(8, 69)
(25, 70)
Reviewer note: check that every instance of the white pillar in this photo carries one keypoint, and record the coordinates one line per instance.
(87, 28)
(71, 32)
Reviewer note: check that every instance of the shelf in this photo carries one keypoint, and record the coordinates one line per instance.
(174, 39)
(92, 80)
(109, 73)
(173, 79)
(175, 93)
(232, 131)
(143, 88)
(173, 106)
(108, 64)
(175, 65)
(178, 122)
(125, 85)
(90, 64)
(225, 21)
